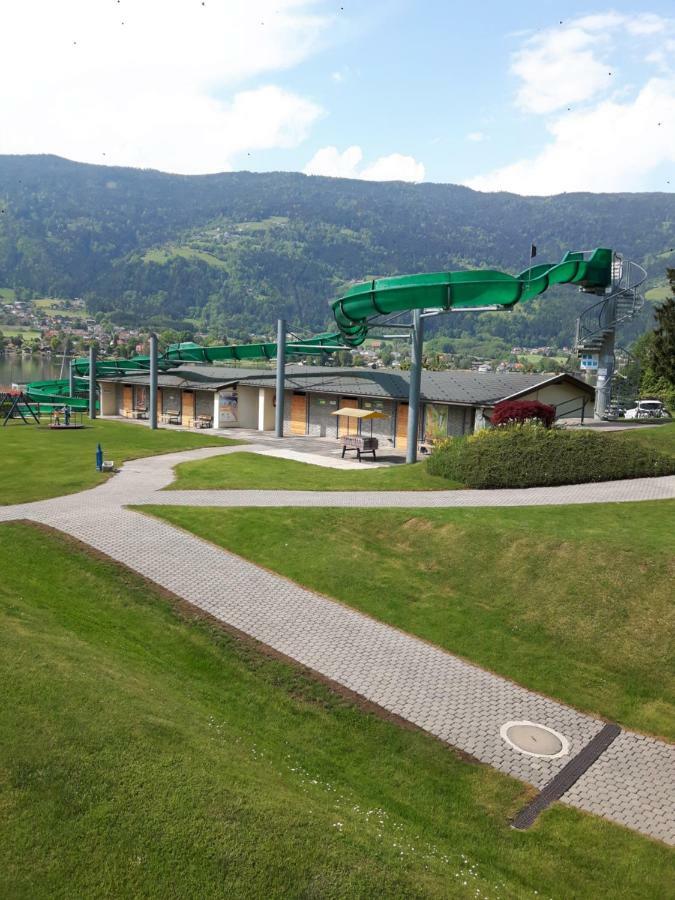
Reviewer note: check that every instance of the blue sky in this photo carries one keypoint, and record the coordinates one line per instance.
(532, 97)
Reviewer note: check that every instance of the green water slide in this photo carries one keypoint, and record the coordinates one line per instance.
(464, 290)
(57, 392)
(356, 311)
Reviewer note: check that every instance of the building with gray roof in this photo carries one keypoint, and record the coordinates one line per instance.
(452, 402)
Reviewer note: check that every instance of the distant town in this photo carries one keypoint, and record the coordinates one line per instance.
(56, 326)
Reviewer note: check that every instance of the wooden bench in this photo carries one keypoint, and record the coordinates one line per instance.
(203, 422)
(171, 418)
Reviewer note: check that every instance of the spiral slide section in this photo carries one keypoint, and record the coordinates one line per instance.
(464, 290)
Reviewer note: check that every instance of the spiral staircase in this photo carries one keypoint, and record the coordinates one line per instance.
(596, 326)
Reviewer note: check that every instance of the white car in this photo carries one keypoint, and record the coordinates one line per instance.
(648, 409)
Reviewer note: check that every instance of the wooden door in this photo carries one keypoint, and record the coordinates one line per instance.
(402, 425)
(127, 398)
(345, 424)
(188, 415)
(298, 414)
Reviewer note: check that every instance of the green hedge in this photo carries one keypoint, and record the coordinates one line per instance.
(529, 455)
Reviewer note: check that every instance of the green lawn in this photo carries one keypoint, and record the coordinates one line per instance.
(38, 463)
(250, 471)
(147, 754)
(13, 330)
(575, 602)
(660, 437)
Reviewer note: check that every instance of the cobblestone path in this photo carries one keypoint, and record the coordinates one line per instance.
(632, 783)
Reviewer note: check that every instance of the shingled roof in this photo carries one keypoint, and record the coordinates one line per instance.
(453, 386)
(456, 386)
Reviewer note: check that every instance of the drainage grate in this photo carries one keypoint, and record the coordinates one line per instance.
(567, 776)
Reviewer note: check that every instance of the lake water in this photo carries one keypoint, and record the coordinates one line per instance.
(19, 369)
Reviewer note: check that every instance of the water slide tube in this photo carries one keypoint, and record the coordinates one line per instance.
(356, 309)
(464, 290)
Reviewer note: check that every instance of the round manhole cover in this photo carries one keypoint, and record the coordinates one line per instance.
(534, 740)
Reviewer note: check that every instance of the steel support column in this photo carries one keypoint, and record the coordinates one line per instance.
(92, 382)
(416, 346)
(281, 359)
(603, 386)
(71, 379)
(153, 381)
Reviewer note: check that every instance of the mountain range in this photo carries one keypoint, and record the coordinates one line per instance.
(233, 252)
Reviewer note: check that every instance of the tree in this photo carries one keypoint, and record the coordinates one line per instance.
(663, 348)
(518, 412)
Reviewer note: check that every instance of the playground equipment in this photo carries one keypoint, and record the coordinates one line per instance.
(63, 418)
(364, 306)
(15, 404)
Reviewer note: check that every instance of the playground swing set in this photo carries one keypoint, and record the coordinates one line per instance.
(17, 404)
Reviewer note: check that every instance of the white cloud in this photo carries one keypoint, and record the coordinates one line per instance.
(608, 147)
(571, 64)
(647, 24)
(603, 135)
(475, 136)
(558, 68)
(156, 83)
(395, 167)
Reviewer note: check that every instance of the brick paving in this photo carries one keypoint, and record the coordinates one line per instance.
(632, 783)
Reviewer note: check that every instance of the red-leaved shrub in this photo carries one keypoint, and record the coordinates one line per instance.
(512, 412)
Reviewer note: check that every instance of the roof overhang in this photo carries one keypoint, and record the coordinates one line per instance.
(555, 379)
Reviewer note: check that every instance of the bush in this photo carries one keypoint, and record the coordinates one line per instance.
(530, 456)
(512, 412)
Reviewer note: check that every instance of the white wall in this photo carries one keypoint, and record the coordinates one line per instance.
(108, 399)
(568, 394)
(266, 410)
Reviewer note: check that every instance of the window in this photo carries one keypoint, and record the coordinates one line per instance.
(436, 423)
(140, 397)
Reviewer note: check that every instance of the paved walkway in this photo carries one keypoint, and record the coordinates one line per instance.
(632, 783)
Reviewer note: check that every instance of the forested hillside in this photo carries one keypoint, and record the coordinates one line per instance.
(235, 251)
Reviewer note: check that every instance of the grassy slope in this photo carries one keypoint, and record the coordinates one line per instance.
(575, 602)
(39, 463)
(143, 755)
(247, 470)
(661, 437)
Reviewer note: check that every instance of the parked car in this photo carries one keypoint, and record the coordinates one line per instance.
(614, 411)
(648, 409)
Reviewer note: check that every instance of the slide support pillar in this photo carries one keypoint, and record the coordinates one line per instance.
(71, 379)
(603, 386)
(281, 359)
(153, 381)
(92, 382)
(417, 344)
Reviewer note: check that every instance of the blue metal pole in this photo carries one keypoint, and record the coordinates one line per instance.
(417, 344)
(280, 381)
(153, 381)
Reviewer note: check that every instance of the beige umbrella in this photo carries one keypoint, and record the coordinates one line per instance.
(352, 412)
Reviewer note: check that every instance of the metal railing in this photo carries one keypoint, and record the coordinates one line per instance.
(622, 304)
